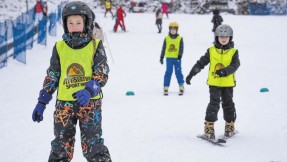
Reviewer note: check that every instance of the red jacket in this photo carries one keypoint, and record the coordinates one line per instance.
(121, 13)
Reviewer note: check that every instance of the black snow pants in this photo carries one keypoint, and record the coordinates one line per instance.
(66, 115)
(224, 94)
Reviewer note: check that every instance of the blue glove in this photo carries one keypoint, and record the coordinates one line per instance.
(44, 98)
(220, 72)
(91, 90)
(38, 112)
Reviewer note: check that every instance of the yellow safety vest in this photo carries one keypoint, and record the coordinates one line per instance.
(76, 69)
(218, 61)
(172, 47)
(108, 5)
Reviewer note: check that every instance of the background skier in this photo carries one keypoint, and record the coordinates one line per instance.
(108, 6)
(120, 19)
(158, 21)
(41, 10)
(216, 20)
(172, 49)
(164, 8)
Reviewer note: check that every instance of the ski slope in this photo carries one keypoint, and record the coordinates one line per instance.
(150, 127)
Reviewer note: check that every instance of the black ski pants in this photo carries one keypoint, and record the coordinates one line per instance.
(218, 94)
(66, 115)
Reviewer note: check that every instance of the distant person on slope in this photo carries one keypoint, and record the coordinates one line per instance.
(172, 49)
(108, 5)
(164, 8)
(158, 21)
(40, 10)
(120, 19)
(224, 62)
(116, 20)
(216, 20)
(78, 71)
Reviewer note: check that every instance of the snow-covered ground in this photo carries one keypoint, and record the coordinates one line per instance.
(150, 127)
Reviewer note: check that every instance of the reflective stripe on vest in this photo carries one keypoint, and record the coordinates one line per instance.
(218, 61)
(172, 47)
(76, 69)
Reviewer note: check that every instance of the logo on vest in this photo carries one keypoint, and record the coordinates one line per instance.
(217, 67)
(75, 76)
(172, 48)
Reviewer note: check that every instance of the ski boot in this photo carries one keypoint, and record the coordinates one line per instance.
(165, 91)
(209, 130)
(181, 90)
(229, 129)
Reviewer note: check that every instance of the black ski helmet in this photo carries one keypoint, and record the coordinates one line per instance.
(79, 8)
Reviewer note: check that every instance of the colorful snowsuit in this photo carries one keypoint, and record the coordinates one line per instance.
(68, 112)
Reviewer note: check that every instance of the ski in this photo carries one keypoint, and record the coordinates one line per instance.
(180, 93)
(216, 141)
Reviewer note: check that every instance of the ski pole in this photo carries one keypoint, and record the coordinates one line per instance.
(109, 48)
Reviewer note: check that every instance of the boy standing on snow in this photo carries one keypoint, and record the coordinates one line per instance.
(78, 69)
(224, 62)
(172, 49)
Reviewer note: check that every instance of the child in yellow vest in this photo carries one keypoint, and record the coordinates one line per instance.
(78, 69)
(224, 62)
(108, 6)
(172, 49)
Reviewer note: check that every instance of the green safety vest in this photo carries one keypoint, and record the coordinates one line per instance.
(218, 61)
(172, 47)
(108, 5)
(76, 69)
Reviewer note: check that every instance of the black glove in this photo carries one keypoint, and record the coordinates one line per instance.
(188, 78)
(220, 72)
(161, 61)
(179, 57)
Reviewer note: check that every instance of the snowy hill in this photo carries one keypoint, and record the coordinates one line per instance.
(150, 127)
